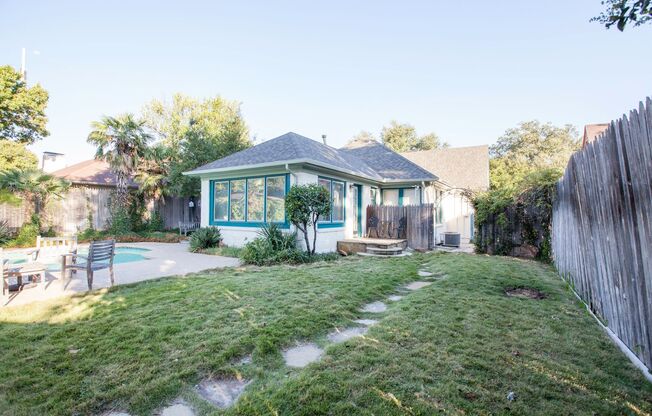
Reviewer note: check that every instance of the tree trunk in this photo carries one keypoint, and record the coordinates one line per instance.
(304, 230)
(314, 235)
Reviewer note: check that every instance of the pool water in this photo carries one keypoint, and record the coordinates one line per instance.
(122, 255)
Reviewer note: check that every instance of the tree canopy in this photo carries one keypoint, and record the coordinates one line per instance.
(529, 147)
(22, 108)
(404, 138)
(624, 12)
(304, 205)
(195, 132)
(16, 156)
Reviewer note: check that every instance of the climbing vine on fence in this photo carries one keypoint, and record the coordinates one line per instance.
(516, 221)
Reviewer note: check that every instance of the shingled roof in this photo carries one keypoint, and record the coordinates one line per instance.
(463, 167)
(294, 148)
(90, 172)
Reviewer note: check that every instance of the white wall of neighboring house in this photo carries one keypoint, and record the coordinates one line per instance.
(454, 211)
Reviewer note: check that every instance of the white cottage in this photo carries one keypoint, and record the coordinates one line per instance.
(243, 191)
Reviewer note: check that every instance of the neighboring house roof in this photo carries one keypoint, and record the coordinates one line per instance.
(90, 172)
(592, 132)
(463, 167)
(294, 148)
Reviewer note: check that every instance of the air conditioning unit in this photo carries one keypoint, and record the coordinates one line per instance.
(452, 239)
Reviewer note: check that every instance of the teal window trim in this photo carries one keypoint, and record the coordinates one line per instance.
(359, 216)
(245, 223)
(330, 223)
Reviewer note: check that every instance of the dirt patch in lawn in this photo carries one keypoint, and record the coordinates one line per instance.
(525, 293)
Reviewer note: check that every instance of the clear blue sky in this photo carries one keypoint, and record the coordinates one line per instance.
(465, 70)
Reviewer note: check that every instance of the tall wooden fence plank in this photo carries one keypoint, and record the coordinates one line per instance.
(602, 228)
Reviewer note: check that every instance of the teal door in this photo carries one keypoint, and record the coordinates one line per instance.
(356, 197)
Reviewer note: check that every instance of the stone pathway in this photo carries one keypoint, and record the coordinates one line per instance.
(366, 322)
(424, 273)
(302, 355)
(417, 285)
(347, 333)
(374, 307)
(179, 408)
(222, 392)
(395, 298)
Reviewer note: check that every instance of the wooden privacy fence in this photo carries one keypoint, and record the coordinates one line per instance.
(419, 221)
(70, 214)
(602, 228)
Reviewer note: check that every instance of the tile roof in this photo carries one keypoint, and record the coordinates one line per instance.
(90, 172)
(464, 167)
(592, 132)
(292, 147)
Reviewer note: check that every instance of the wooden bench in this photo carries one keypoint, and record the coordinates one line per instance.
(186, 227)
(19, 271)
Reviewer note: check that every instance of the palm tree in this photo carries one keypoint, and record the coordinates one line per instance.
(122, 142)
(32, 185)
(153, 173)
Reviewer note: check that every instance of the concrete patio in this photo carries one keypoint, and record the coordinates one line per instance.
(162, 259)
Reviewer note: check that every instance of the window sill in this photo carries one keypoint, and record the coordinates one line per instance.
(244, 224)
(330, 225)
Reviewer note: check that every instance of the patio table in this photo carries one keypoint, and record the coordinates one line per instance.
(20, 271)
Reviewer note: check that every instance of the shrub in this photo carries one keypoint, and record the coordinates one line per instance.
(27, 234)
(204, 238)
(274, 247)
(156, 222)
(120, 222)
(5, 232)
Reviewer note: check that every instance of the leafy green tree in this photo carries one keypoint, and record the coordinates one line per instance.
(122, 142)
(404, 138)
(152, 173)
(624, 12)
(429, 141)
(304, 205)
(363, 136)
(530, 147)
(22, 108)
(195, 133)
(16, 156)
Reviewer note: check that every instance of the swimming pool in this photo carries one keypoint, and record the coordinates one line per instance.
(122, 255)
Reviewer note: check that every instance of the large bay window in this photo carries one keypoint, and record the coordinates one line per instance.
(249, 201)
(337, 191)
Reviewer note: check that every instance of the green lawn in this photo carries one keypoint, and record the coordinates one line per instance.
(455, 347)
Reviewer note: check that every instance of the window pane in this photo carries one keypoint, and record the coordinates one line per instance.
(338, 201)
(390, 196)
(255, 199)
(238, 200)
(276, 199)
(221, 201)
(326, 184)
(374, 196)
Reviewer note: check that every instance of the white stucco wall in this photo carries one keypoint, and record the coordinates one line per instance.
(457, 211)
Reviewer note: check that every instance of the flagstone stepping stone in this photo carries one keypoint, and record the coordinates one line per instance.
(116, 414)
(424, 273)
(222, 392)
(417, 285)
(178, 409)
(302, 355)
(395, 298)
(374, 307)
(244, 360)
(366, 322)
(347, 334)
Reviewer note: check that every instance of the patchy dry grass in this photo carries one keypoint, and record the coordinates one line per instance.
(457, 346)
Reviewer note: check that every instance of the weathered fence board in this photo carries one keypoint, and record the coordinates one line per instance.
(602, 228)
(419, 220)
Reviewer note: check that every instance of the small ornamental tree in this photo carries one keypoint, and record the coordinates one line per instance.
(304, 205)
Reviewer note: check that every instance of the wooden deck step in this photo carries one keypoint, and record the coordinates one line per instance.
(391, 251)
